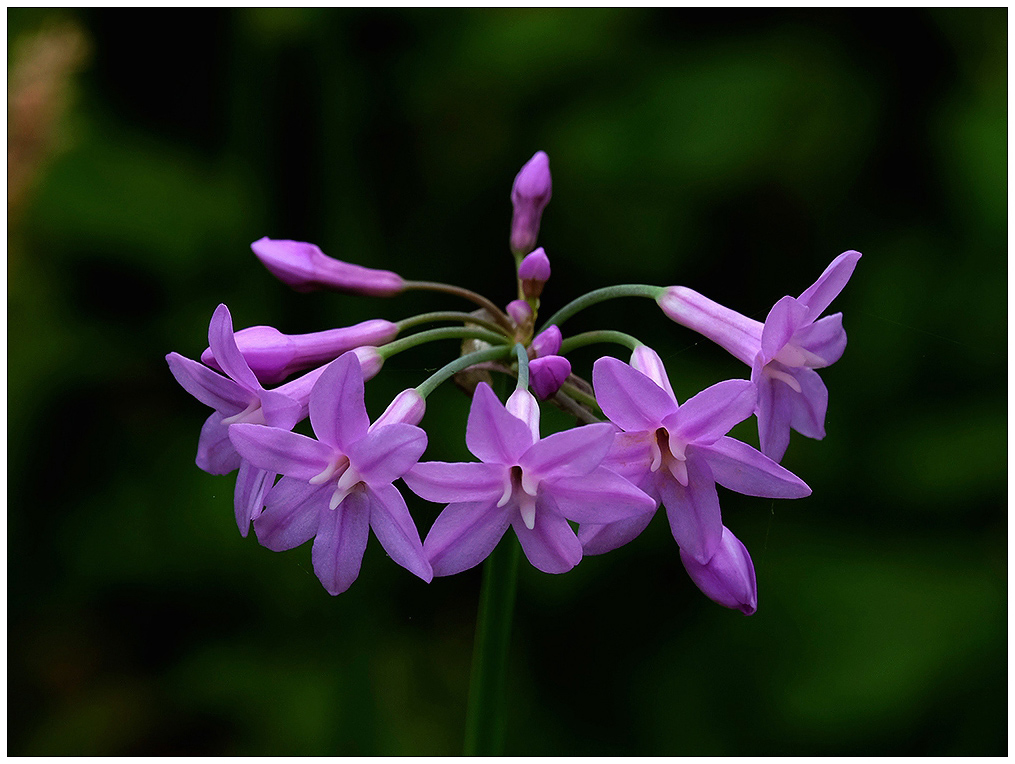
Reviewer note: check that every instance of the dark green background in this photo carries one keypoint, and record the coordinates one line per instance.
(733, 151)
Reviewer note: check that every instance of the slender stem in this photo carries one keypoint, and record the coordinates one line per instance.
(484, 722)
(581, 396)
(430, 335)
(447, 315)
(599, 295)
(592, 338)
(459, 364)
(468, 294)
(523, 367)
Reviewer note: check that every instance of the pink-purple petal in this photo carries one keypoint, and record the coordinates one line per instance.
(728, 578)
(547, 374)
(630, 456)
(394, 528)
(340, 542)
(783, 320)
(810, 405)
(280, 410)
(337, 410)
(774, 411)
(599, 497)
(825, 338)
(600, 539)
(223, 347)
(631, 400)
(820, 294)
(209, 387)
(577, 451)
(215, 452)
(551, 546)
(741, 468)
(693, 510)
(292, 514)
(387, 453)
(456, 482)
(492, 434)
(281, 451)
(714, 411)
(252, 485)
(463, 536)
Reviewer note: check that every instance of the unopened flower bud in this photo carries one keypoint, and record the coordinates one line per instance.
(534, 272)
(547, 374)
(370, 360)
(529, 196)
(520, 312)
(648, 362)
(728, 578)
(305, 267)
(273, 356)
(547, 342)
(522, 405)
(408, 407)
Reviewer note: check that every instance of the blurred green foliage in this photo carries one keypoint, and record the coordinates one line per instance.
(735, 151)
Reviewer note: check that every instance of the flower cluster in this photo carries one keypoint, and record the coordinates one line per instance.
(584, 491)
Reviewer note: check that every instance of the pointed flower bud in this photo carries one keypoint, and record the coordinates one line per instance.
(547, 374)
(534, 272)
(273, 356)
(529, 196)
(408, 407)
(305, 267)
(728, 578)
(520, 312)
(547, 342)
(370, 360)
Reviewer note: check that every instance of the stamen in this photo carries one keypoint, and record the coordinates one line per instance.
(796, 356)
(527, 506)
(678, 468)
(253, 406)
(509, 487)
(339, 463)
(789, 379)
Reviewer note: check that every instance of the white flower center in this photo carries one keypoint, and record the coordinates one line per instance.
(669, 452)
(522, 487)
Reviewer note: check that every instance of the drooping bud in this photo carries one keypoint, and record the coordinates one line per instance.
(529, 196)
(304, 267)
(370, 360)
(520, 312)
(728, 578)
(547, 342)
(648, 362)
(407, 407)
(534, 272)
(547, 374)
(273, 356)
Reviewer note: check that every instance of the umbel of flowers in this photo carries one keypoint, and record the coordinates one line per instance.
(584, 491)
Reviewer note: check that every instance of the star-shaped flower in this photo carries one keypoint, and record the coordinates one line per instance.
(339, 486)
(533, 485)
(783, 353)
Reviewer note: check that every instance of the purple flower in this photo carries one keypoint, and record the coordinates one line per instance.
(547, 342)
(273, 356)
(534, 272)
(677, 454)
(533, 485)
(783, 353)
(728, 578)
(239, 397)
(339, 486)
(520, 312)
(547, 374)
(529, 197)
(305, 267)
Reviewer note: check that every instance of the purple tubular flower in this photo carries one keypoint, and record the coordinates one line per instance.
(677, 454)
(783, 353)
(547, 374)
(547, 342)
(239, 397)
(338, 487)
(305, 267)
(273, 356)
(529, 197)
(534, 272)
(728, 578)
(533, 485)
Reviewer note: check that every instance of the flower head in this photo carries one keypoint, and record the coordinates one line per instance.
(783, 353)
(305, 267)
(338, 486)
(533, 485)
(529, 197)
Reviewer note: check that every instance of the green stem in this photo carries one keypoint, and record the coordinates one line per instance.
(599, 295)
(484, 722)
(592, 338)
(447, 315)
(435, 286)
(460, 364)
(581, 396)
(431, 335)
(523, 367)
